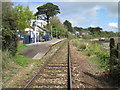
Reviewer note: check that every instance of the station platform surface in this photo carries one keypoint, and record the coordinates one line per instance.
(39, 49)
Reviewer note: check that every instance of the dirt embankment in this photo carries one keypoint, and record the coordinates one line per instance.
(84, 73)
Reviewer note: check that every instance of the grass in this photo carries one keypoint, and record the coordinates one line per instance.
(97, 61)
(22, 60)
(19, 59)
(11, 64)
(21, 47)
(81, 46)
(99, 57)
(6, 60)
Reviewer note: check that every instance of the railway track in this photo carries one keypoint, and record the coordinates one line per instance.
(55, 72)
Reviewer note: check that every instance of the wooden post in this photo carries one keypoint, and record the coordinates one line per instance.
(118, 50)
(112, 45)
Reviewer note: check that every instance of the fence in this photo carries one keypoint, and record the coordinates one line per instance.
(115, 60)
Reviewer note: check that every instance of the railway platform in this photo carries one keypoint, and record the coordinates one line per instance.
(39, 49)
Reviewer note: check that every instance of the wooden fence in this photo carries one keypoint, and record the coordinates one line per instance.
(115, 60)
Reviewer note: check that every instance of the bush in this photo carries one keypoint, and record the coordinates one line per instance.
(9, 42)
(9, 24)
(89, 53)
(80, 46)
(92, 48)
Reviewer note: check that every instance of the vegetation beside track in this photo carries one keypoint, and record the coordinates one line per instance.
(11, 64)
(103, 59)
(94, 51)
(14, 68)
(21, 47)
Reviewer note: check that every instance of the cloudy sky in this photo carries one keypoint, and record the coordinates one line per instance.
(84, 14)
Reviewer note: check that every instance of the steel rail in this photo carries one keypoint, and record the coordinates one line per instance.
(30, 81)
(69, 70)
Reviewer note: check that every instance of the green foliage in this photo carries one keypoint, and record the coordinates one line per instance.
(94, 29)
(95, 32)
(78, 29)
(6, 59)
(68, 25)
(89, 53)
(80, 46)
(92, 48)
(57, 27)
(21, 47)
(103, 57)
(21, 60)
(46, 11)
(9, 24)
(24, 16)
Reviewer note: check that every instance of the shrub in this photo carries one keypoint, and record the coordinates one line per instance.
(89, 53)
(92, 48)
(81, 46)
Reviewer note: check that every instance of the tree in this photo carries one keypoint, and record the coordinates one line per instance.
(46, 11)
(68, 25)
(57, 27)
(78, 29)
(9, 24)
(95, 30)
(24, 16)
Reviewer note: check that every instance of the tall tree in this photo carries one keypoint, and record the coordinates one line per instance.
(46, 11)
(68, 25)
(9, 24)
(57, 27)
(24, 16)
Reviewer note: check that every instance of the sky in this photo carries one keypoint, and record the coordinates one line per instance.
(83, 14)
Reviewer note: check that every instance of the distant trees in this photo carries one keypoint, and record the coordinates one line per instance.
(24, 16)
(57, 27)
(94, 30)
(68, 26)
(47, 11)
(9, 25)
(79, 29)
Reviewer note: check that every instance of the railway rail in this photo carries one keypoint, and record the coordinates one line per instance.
(55, 72)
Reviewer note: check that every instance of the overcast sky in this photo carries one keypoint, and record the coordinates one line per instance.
(84, 14)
